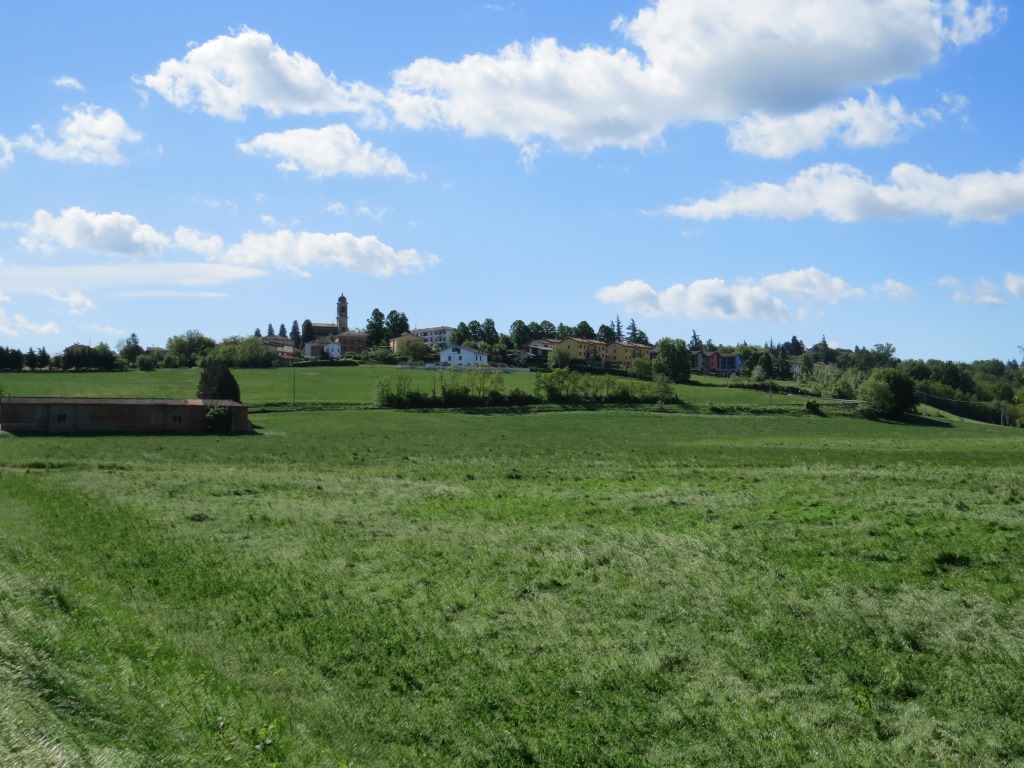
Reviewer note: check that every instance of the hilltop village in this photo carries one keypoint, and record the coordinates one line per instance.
(475, 343)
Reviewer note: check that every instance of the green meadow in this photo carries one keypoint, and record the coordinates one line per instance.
(617, 587)
(314, 386)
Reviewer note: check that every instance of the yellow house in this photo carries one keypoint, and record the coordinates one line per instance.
(589, 350)
(622, 353)
(595, 352)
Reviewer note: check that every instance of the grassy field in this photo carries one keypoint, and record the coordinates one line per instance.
(610, 588)
(311, 387)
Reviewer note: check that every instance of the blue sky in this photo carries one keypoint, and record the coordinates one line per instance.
(752, 170)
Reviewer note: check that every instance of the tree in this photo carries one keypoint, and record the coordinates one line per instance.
(888, 393)
(258, 333)
(673, 360)
(632, 331)
(489, 332)
(43, 358)
(270, 329)
(282, 332)
(395, 324)
(519, 334)
(695, 342)
(216, 382)
(31, 359)
(295, 334)
(476, 331)
(606, 333)
(413, 348)
(460, 335)
(376, 332)
(546, 330)
(641, 368)
(243, 352)
(617, 325)
(129, 349)
(585, 331)
(559, 357)
(307, 331)
(190, 347)
(564, 331)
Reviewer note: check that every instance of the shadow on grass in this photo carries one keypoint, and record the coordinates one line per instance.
(916, 420)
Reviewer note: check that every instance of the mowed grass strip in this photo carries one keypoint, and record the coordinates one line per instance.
(601, 588)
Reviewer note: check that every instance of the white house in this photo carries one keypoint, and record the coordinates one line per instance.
(315, 349)
(437, 336)
(462, 357)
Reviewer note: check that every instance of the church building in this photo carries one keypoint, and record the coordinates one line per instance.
(337, 339)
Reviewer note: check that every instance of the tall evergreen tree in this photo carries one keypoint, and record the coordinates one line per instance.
(376, 331)
(281, 331)
(216, 382)
(270, 329)
(295, 334)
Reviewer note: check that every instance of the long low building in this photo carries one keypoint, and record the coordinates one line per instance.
(110, 416)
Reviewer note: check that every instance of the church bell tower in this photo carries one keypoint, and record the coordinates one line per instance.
(342, 314)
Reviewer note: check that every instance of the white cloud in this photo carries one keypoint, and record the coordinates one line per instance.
(228, 75)
(68, 82)
(87, 136)
(78, 303)
(967, 22)
(339, 209)
(90, 277)
(893, 289)
(745, 299)
(843, 193)
(209, 246)
(1014, 284)
(693, 61)
(702, 298)
(328, 151)
(6, 326)
(171, 294)
(984, 291)
(6, 152)
(116, 233)
(23, 324)
(812, 283)
(870, 123)
(297, 250)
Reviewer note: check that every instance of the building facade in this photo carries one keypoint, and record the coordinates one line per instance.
(109, 416)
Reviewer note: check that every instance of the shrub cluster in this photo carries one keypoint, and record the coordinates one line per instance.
(458, 389)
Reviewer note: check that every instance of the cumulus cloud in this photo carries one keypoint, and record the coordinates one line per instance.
(87, 136)
(983, 292)
(841, 192)
(679, 62)
(14, 326)
(744, 299)
(296, 251)
(767, 57)
(68, 82)
(329, 151)
(6, 152)
(702, 298)
(230, 74)
(78, 303)
(209, 246)
(1014, 284)
(812, 283)
(115, 233)
(869, 123)
(893, 289)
